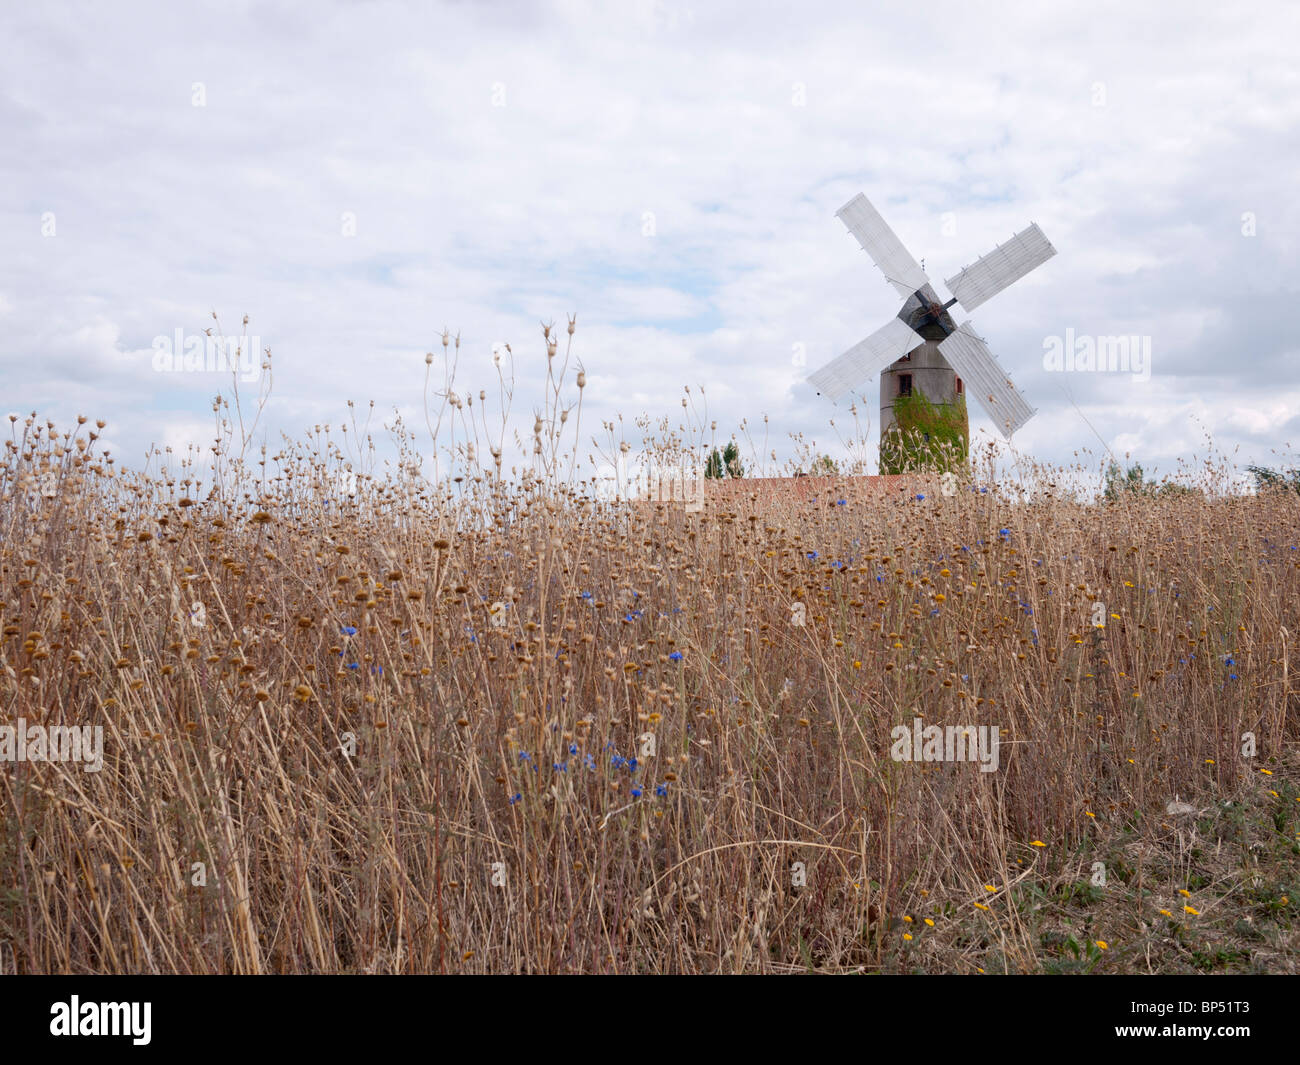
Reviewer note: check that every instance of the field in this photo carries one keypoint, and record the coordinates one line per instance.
(499, 724)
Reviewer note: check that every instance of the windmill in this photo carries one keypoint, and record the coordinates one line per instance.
(923, 348)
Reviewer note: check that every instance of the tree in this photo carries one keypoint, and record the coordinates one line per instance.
(713, 468)
(1266, 478)
(724, 464)
(731, 456)
(820, 466)
(1133, 482)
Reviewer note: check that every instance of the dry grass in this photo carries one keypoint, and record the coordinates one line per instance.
(350, 793)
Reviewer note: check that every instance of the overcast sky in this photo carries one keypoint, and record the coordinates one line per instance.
(356, 176)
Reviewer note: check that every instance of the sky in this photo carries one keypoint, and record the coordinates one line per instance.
(358, 177)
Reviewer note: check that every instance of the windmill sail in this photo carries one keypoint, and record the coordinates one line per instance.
(884, 247)
(866, 359)
(970, 357)
(1008, 262)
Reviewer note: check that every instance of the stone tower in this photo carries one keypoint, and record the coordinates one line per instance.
(921, 370)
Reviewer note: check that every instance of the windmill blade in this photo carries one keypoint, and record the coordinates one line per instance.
(884, 247)
(866, 358)
(970, 357)
(1008, 262)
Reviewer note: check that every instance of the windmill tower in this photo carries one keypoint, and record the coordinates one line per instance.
(923, 349)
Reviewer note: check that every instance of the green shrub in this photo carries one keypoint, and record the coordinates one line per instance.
(925, 437)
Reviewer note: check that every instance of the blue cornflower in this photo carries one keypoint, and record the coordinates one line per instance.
(588, 762)
(524, 756)
(560, 767)
(516, 797)
(812, 556)
(354, 665)
(349, 630)
(920, 495)
(841, 502)
(573, 748)
(676, 656)
(661, 790)
(1232, 676)
(631, 765)
(636, 791)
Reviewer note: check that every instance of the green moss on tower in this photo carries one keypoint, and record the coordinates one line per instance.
(926, 437)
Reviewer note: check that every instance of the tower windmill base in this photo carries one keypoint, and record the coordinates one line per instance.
(924, 426)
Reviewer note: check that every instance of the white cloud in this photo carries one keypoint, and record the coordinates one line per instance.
(1136, 140)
